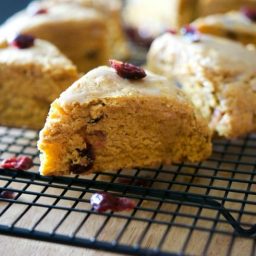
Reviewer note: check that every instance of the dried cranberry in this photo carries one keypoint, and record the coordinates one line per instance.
(104, 201)
(141, 182)
(127, 70)
(250, 13)
(191, 33)
(7, 194)
(23, 41)
(40, 11)
(88, 154)
(20, 163)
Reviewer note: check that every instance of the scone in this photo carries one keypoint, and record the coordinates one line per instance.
(238, 26)
(208, 7)
(107, 122)
(32, 74)
(112, 11)
(79, 32)
(217, 74)
(150, 18)
(146, 19)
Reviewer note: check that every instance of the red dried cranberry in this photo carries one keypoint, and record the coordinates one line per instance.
(191, 33)
(250, 13)
(20, 163)
(40, 11)
(87, 154)
(104, 201)
(7, 194)
(127, 70)
(23, 41)
(137, 182)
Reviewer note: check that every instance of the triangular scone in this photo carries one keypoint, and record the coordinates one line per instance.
(216, 73)
(105, 122)
(112, 12)
(79, 32)
(30, 79)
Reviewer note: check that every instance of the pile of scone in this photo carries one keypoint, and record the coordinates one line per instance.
(199, 81)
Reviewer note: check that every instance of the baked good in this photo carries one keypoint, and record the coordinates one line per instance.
(32, 74)
(107, 122)
(216, 73)
(112, 11)
(158, 16)
(238, 26)
(208, 7)
(80, 33)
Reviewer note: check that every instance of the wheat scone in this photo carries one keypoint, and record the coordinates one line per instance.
(112, 11)
(30, 79)
(79, 32)
(208, 7)
(233, 25)
(217, 74)
(105, 122)
(158, 16)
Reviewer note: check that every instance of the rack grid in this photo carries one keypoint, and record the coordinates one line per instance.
(186, 209)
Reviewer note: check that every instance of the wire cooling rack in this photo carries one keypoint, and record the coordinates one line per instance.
(188, 209)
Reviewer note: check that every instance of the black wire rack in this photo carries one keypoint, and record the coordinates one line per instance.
(187, 209)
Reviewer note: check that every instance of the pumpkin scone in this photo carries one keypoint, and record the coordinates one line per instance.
(79, 32)
(238, 26)
(112, 12)
(157, 17)
(121, 117)
(32, 74)
(216, 73)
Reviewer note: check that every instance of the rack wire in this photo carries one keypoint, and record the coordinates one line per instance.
(187, 209)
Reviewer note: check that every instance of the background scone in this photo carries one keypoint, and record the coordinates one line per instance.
(105, 122)
(112, 11)
(32, 74)
(217, 74)
(79, 32)
(207, 7)
(150, 18)
(238, 26)
(158, 16)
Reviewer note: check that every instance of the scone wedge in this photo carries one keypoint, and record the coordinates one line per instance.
(106, 122)
(33, 73)
(217, 74)
(112, 12)
(79, 32)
